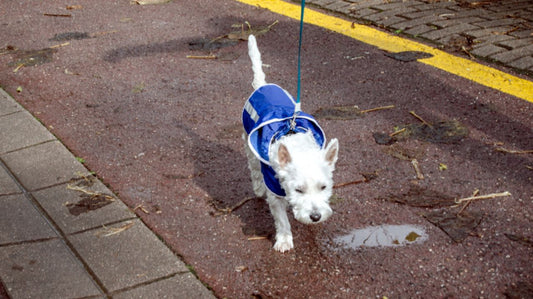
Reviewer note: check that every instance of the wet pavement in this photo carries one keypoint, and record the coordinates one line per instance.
(136, 93)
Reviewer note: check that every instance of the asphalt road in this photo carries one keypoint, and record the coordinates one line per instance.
(137, 95)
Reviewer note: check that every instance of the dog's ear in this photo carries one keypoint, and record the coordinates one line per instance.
(332, 152)
(284, 157)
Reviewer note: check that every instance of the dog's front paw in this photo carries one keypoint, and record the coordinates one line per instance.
(283, 243)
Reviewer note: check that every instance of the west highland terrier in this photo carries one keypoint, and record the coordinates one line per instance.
(287, 156)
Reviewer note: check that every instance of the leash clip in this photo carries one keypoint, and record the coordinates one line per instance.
(292, 126)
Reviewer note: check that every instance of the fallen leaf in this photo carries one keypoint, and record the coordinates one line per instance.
(456, 226)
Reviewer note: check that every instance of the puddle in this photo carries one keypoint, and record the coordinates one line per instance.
(383, 236)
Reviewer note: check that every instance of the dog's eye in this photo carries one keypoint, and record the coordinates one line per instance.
(323, 187)
(299, 190)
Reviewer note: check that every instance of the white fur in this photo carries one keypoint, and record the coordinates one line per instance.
(305, 172)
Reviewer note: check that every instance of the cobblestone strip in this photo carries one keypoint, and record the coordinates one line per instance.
(499, 31)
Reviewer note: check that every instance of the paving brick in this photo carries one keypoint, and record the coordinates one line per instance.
(7, 184)
(366, 4)
(486, 32)
(19, 130)
(491, 39)
(513, 55)
(44, 270)
(180, 286)
(69, 210)
(487, 50)
(126, 258)
(419, 30)
(20, 221)
(522, 33)
(43, 165)
(497, 23)
(523, 63)
(392, 6)
(363, 12)
(422, 5)
(441, 33)
(516, 43)
(7, 104)
(414, 23)
(431, 14)
(452, 22)
(320, 2)
(339, 6)
(382, 16)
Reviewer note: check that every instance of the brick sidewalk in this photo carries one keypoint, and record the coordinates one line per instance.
(496, 31)
(63, 234)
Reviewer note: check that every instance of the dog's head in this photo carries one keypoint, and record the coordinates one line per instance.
(305, 172)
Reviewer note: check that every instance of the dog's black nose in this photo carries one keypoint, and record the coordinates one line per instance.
(315, 216)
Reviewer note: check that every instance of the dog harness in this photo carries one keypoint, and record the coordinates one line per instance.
(268, 115)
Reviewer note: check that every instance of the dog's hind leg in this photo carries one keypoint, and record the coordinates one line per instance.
(278, 208)
(255, 171)
(257, 64)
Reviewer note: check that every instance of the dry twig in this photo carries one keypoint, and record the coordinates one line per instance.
(117, 230)
(488, 196)
(377, 109)
(504, 150)
(231, 209)
(255, 238)
(419, 174)
(397, 132)
(420, 118)
(57, 15)
(474, 194)
(91, 193)
(140, 207)
(202, 57)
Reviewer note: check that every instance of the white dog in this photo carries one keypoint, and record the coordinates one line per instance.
(287, 156)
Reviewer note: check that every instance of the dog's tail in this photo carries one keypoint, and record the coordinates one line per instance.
(257, 64)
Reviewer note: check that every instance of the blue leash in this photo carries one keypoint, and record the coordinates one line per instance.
(297, 109)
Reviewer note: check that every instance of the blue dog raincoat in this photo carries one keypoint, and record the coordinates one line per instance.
(267, 116)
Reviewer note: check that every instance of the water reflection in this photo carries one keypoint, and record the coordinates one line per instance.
(383, 235)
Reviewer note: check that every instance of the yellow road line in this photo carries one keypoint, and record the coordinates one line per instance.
(462, 67)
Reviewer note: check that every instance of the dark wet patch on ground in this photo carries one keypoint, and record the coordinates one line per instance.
(407, 56)
(89, 203)
(520, 239)
(422, 198)
(32, 57)
(90, 200)
(440, 132)
(204, 44)
(65, 36)
(457, 226)
(211, 45)
(519, 290)
(404, 153)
